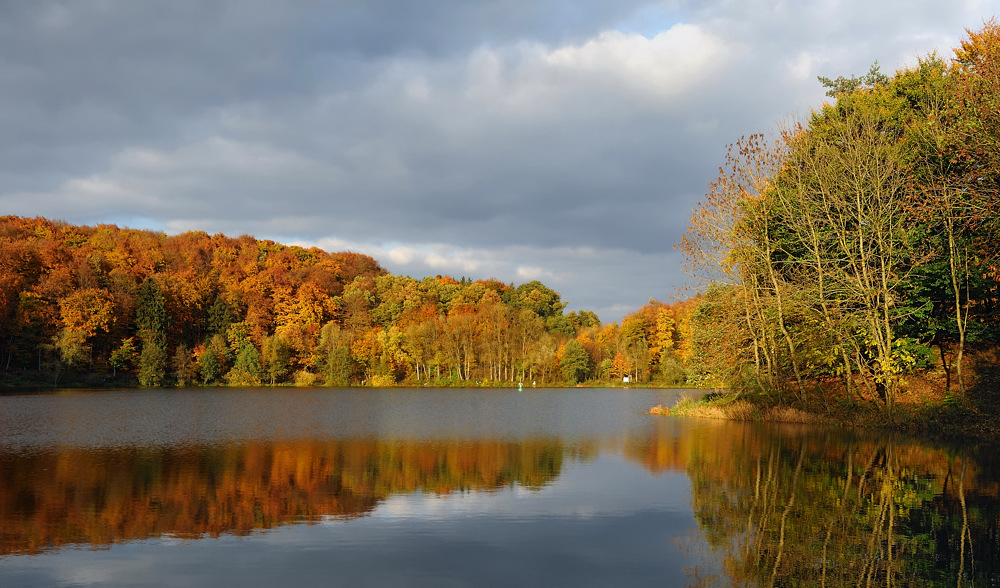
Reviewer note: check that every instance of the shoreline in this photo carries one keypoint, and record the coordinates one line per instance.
(35, 386)
(950, 419)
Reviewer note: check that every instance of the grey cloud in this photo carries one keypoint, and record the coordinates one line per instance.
(422, 123)
(388, 27)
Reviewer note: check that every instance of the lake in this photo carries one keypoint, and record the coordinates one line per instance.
(472, 487)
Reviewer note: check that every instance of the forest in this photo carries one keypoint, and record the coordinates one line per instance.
(858, 251)
(104, 305)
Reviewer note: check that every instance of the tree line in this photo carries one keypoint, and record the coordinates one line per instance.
(107, 305)
(861, 246)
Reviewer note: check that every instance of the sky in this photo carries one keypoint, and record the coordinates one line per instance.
(552, 140)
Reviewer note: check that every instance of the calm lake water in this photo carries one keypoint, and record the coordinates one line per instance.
(437, 487)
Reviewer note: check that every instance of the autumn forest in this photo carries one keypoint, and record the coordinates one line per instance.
(858, 251)
(106, 305)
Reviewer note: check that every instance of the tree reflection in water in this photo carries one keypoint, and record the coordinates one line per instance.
(97, 497)
(786, 506)
(778, 506)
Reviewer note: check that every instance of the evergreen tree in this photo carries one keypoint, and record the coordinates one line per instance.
(220, 316)
(151, 311)
(151, 324)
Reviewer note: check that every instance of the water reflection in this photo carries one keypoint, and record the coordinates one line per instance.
(787, 506)
(101, 496)
(601, 496)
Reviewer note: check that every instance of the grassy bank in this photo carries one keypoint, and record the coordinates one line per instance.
(945, 416)
(733, 407)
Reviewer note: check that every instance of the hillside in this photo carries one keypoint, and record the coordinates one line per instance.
(103, 306)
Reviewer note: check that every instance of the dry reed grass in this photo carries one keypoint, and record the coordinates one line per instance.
(737, 410)
(788, 414)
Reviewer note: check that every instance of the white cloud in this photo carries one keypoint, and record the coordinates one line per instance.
(532, 273)
(441, 257)
(802, 67)
(666, 65)
(531, 79)
(401, 255)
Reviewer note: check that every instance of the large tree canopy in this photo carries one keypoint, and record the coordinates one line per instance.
(847, 247)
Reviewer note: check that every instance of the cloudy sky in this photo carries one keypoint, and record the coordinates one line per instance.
(558, 140)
